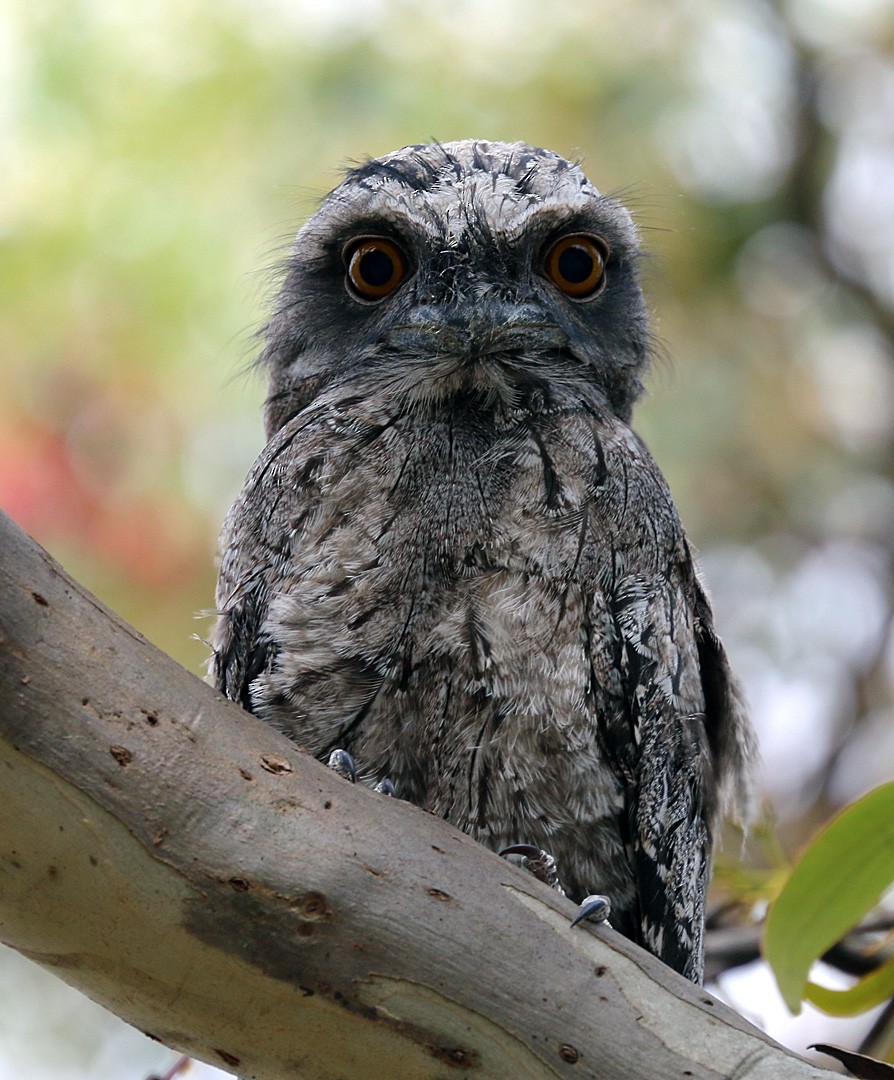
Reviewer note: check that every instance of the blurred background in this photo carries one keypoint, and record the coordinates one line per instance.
(158, 157)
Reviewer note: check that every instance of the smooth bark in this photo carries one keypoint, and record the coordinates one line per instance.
(198, 874)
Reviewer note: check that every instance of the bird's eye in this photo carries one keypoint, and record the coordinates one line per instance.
(376, 267)
(576, 265)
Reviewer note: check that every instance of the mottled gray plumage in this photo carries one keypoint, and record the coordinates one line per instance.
(457, 561)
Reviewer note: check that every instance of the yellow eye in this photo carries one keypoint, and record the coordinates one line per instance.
(576, 265)
(376, 267)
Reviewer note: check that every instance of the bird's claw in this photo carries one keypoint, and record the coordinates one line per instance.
(537, 862)
(594, 907)
(340, 761)
(543, 866)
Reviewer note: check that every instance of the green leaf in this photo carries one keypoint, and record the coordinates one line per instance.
(865, 994)
(842, 875)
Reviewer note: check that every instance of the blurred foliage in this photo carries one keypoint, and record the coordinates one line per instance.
(159, 156)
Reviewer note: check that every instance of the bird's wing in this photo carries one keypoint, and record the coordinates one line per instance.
(670, 792)
(257, 540)
(679, 731)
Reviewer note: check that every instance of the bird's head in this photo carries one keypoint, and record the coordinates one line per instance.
(466, 268)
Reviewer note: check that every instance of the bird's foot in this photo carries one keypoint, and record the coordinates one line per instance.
(537, 862)
(595, 907)
(544, 867)
(340, 761)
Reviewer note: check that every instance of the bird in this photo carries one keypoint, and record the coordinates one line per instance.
(454, 561)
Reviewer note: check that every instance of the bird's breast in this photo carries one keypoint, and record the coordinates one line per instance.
(437, 619)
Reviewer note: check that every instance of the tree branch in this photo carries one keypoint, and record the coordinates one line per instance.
(190, 868)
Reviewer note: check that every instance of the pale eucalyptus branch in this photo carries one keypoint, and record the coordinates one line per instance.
(192, 870)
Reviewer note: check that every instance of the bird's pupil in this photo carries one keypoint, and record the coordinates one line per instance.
(575, 264)
(376, 267)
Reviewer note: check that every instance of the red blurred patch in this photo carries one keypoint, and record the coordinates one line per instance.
(55, 492)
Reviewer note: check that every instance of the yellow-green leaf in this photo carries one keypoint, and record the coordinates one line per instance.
(865, 994)
(842, 875)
